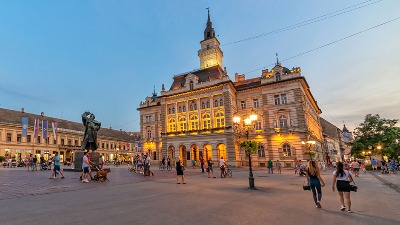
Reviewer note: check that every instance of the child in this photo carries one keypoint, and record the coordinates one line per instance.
(363, 167)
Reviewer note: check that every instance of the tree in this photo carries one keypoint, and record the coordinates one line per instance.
(378, 135)
(250, 146)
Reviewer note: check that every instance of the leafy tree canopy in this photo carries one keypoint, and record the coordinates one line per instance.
(250, 146)
(374, 132)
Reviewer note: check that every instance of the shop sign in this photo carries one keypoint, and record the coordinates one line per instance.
(8, 150)
(28, 151)
(18, 151)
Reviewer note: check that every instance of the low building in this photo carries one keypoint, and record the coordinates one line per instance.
(69, 136)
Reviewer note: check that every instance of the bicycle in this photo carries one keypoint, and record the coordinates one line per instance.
(227, 172)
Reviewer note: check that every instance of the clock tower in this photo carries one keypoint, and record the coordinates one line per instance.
(210, 54)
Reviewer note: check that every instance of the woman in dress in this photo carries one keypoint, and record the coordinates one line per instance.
(179, 171)
(315, 182)
(342, 179)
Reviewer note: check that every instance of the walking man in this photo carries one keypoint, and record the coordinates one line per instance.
(202, 164)
(278, 166)
(270, 169)
(57, 164)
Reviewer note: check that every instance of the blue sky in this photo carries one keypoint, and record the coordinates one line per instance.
(67, 57)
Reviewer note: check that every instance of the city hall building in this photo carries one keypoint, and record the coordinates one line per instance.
(194, 116)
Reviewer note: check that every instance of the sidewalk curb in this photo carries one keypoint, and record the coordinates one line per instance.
(389, 184)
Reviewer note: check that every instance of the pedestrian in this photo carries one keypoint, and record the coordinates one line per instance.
(222, 166)
(29, 161)
(193, 163)
(334, 164)
(315, 181)
(179, 171)
(101, 162)
(57, 164)
(356, 167)
(202, 164)
(278, 166)
(85, 167)
(34, 163)
(270, 169)
(210, 167)
(342, 178)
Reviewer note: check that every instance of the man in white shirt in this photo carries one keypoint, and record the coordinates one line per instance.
(222, 166)
(356, 167)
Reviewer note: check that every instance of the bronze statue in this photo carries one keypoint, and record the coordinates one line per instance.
(92, 126)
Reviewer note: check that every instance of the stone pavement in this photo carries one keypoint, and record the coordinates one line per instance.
(130, 198)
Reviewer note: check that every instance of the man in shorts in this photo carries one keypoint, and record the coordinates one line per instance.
(374, 165)
(85, 167)
(356, 167)
(57, 165)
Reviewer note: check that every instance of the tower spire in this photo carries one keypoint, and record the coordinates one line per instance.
(209, 31)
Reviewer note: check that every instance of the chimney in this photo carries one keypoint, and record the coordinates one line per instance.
(22, 110)
(42, 113)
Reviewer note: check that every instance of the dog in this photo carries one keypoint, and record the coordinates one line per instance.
(102, 174)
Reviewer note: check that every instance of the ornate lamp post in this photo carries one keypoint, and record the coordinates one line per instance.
(248, 121)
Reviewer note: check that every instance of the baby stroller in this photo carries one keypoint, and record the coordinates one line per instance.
(44, 166)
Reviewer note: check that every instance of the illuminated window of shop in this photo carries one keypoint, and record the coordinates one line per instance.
(194, 122)
(286, 150)
(206, 121)
(220, 120)
(182, 124)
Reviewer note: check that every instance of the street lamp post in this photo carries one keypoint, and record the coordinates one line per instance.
(248, 121)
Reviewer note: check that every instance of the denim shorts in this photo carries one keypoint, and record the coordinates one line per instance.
(85, 169)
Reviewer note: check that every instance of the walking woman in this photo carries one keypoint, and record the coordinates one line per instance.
(342, 179)
(179, 171)
(315, 182)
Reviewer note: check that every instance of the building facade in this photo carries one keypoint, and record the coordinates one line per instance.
(112, 144)
(194, 117)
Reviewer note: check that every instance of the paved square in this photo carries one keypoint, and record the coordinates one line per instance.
(134, 199)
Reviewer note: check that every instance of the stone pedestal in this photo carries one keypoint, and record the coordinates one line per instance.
(78, 159)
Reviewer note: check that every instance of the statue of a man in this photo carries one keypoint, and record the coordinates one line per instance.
(92, 126)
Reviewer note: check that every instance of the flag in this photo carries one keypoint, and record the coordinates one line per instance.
(138, 144)
(54, 125)
(24, 126)
(36, 129)
(45, 127)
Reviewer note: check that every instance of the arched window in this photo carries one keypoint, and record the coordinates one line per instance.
(219, 120)
(216, 103)
(206, 121)
(149, 134)
(278, 77)
(283, 121)
(180, 109)
(171, 125)
(221, 103)
(182, 124)
(194, 122)
(191, 85)
(286, 150)
(208, 105)
(261, 152)
(191, 107)
(203, 105)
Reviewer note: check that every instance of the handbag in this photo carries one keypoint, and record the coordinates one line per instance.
(353, 187)
(306, 187)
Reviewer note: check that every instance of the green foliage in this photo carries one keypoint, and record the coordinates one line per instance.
(311, 153)
(374, 132)
(2, 158)
(250, 146)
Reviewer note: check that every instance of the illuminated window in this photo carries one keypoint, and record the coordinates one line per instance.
(219, 120)
(261, 151)
(171, 125)
(182, 124)
(282, 121)
(194, 122)
(191, 85)
(206, 121)
(286, 150)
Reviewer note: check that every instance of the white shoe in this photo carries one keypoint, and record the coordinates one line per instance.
(86, 181)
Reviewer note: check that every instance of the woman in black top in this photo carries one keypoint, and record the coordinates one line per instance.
(315, 182)
(179, 171)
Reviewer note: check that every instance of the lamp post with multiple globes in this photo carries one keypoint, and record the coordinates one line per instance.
(248, 122)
